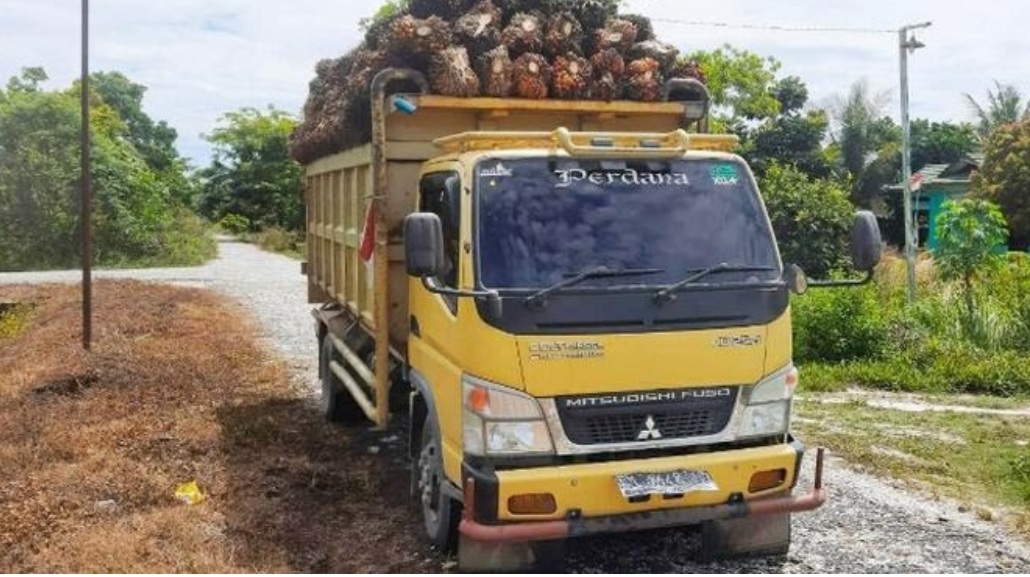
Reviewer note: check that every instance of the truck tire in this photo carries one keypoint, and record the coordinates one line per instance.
(337, 404)
(440, 513)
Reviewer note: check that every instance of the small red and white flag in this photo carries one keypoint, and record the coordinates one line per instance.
(916, 182)
(366, 250)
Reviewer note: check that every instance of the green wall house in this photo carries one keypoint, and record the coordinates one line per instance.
(937, 184)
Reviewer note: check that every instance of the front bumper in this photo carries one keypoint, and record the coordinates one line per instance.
(576, 523)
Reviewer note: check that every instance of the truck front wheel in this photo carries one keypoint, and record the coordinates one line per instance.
(440, 513)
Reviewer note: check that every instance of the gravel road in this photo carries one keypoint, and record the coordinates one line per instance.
(869, 525)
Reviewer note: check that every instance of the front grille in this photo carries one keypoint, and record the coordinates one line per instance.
(646, 416)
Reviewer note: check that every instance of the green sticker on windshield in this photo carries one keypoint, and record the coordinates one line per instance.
(724, 174)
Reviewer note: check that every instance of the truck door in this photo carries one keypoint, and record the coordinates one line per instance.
(433, 346)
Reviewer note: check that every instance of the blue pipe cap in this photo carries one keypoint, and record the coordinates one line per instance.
(404, 105)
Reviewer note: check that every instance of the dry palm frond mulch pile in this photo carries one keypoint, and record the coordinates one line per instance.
(93, 447)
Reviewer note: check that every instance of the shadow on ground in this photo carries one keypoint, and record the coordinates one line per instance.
(314, 497)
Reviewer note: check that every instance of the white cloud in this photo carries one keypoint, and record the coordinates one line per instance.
(202, 58)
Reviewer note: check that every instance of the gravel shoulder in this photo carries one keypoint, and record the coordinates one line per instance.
(868, 525)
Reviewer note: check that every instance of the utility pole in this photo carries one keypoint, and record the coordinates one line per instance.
(86, 200)
(905, 46)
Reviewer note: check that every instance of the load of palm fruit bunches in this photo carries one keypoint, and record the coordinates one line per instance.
(565, 49)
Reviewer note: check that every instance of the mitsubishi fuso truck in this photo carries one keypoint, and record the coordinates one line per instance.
(577, 308)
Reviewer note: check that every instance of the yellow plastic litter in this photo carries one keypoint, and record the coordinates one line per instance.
(189, 493)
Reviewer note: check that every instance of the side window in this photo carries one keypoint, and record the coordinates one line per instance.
(435, 198)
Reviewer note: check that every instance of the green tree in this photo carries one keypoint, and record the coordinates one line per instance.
(1004, 106)
(1004, 177)
(29, 80)
(866, 141)
(969, 232)
(811, 218)
(792, 137)
(133, 214)
(252, 174)
(939, 142)
(154, 140)
(742, 85)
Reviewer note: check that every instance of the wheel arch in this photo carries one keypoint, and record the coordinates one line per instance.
(421, 408)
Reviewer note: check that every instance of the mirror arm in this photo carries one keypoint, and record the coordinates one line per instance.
(431, 286)
(849, 282)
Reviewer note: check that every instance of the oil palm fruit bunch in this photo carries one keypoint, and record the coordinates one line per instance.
(609, 70)
(495, 72)
(419, 35)
(448, 9)
(644, 80)
(563, 34)
(571, 76)
(357, 95)
(479, 29)
(531, 76)
(451, 74)
(686, 68)
(618, 34)
(645, 30)
(365, 65)
(413, 36)
(523, 34)
(541, 7)
(594, 13)
(377, 36)
(665, 54)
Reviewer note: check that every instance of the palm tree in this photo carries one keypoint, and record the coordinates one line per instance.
(1003, 107)
(865, 138)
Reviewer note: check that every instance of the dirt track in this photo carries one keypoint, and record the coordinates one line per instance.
(869, 524)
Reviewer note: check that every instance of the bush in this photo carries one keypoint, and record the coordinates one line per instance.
(1019, 474)
(811, 219)
(287, 242)
(1010, 286)
(939, 369)
(13, 320)
(234, 224)
(839, 324)
(871, 337)
(188, 241)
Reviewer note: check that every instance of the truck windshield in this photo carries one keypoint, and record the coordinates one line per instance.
(541, 220)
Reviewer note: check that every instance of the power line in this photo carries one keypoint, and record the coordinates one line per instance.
(775, 27)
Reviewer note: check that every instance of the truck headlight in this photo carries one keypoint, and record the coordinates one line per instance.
(767, 411)
(500, 421)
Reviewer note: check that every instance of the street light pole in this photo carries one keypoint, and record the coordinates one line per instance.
(906, 45)
(86, 200)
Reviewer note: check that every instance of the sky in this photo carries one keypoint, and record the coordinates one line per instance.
(202, 58)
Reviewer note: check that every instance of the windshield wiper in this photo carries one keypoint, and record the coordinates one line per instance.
(539, 298)
(669, 293)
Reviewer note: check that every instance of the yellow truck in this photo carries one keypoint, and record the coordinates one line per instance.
(578, 307)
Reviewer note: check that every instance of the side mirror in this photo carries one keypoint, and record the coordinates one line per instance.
(490, 306)
(866, 242)
(795, 278)
(423, 245)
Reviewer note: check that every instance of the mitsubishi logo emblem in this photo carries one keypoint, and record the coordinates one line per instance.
(650, 431)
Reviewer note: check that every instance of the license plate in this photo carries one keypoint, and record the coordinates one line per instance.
(678, 482)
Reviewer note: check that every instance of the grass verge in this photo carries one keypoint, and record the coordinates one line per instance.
(285, 242)
(93, 446)
(980, 459)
